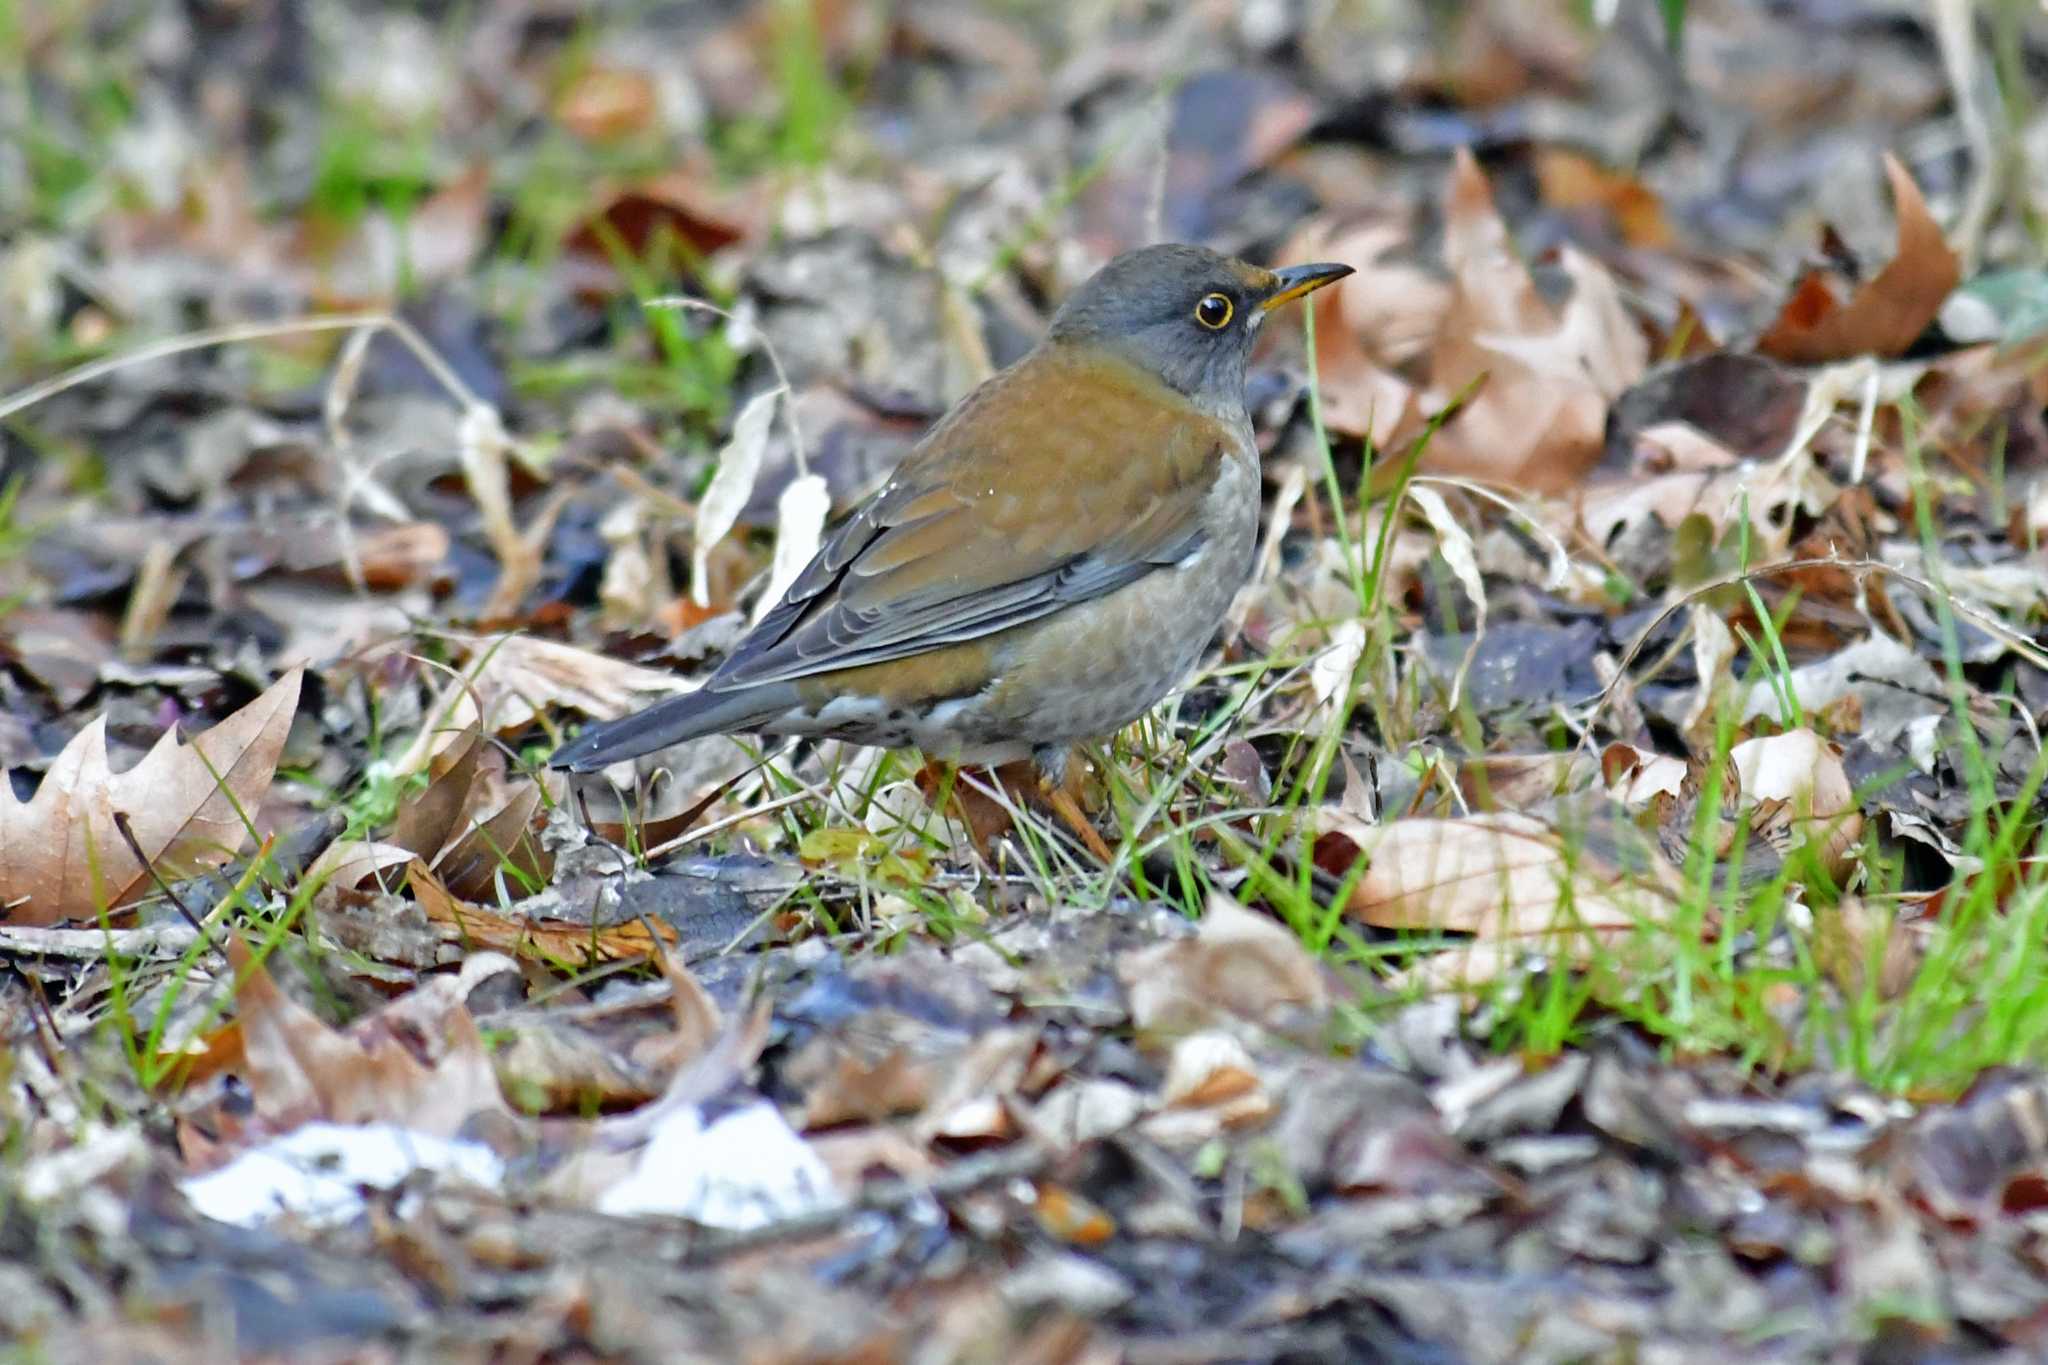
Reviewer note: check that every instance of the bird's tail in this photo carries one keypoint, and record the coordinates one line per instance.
(689, 716)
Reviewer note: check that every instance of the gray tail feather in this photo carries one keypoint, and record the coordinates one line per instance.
(690, 716)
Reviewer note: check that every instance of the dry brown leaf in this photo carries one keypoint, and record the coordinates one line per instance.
(684, 205)
(1500, 874)
(1067, 1216)
(506, 841)
(300, 1069)
(1214, 1072)
(952, 1086)
(426, 821)
(1855, 935)
(549, 1066)
(514, 677)
(61, 855)
(1636, 777)
(1538, 419)
(382, 558)
(444, 826)
(546, 940)
(974, 1098)
(1889, 312)
(1772, 496)
(348, 863)
(444, 234)
(1369, 324)
(1520, 781)
(698, 1020)
(862, 1089)
(1239, 963)
(485, 448)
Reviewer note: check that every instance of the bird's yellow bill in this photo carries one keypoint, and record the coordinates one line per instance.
(1298, 280)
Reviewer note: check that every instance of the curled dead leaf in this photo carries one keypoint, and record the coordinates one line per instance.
(1886, 314)
(515, 677)
(1804, 772)
(799, 525)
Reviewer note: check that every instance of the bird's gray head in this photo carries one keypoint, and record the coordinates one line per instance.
(1185, 314)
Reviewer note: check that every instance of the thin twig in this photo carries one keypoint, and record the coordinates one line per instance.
(232, 334)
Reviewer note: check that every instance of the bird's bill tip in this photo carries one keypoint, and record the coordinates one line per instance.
(579, 754)
(1296, 281)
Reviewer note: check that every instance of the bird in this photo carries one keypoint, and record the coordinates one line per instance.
(1045, 565)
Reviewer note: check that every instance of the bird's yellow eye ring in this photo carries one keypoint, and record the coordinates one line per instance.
(1214, 312)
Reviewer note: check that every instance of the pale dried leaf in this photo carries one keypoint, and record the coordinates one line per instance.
(1713, 654)
(1366, 325)
(1804, 772)
(1538, 419)
(1455, 545)
(1500, 875)
(1636, 777)
(739, 464)
(351, 862)
(1330, 672)
(799, 524)
(484, 446)
(1214, 1071)
(514, 677)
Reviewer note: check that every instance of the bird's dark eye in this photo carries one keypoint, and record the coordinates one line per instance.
(1214, 312)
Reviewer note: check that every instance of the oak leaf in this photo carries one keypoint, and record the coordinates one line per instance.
(62, 855)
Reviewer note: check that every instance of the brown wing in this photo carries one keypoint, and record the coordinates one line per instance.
(1052, 483)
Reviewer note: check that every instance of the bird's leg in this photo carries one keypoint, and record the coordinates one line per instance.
(1054, 772)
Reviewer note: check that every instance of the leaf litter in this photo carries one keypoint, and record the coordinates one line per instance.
(1608, 823)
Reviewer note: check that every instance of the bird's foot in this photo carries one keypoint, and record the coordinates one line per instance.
(1055, 782)
(1058, 783)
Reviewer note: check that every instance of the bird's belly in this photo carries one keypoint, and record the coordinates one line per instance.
(1099, 665)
